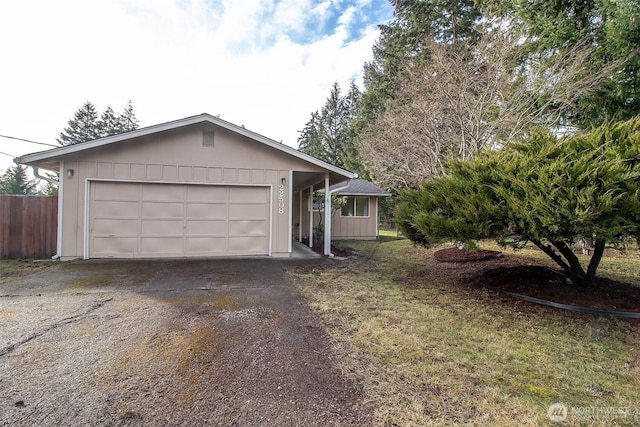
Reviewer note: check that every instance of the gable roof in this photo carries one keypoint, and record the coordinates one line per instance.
(359, 187)
(43, 156)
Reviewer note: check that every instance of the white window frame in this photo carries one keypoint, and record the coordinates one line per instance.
(354, 198)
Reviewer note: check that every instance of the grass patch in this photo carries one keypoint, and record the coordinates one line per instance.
(428, 348)
(12, 268)
(388, 235)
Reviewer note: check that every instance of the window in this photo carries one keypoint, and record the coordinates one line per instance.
(356, 206)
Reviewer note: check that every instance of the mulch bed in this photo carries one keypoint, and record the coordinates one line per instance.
(463, 255)
(544, 283)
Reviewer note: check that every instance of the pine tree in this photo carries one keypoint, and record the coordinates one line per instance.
(88, 125)
(127, 119)
(328, 135)
(109, 123)
(83, 127)
(15, 181)
(334, 128)
(310, 140)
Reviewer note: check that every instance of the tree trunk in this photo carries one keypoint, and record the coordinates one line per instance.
(576, 272)
(570, 263)
(598, 251)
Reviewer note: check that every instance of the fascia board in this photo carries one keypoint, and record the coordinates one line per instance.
(70, 149)
(340, 193)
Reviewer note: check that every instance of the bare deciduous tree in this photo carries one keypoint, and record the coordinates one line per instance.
(466, 99)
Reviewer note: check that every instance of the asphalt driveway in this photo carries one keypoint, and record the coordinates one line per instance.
(179, 342)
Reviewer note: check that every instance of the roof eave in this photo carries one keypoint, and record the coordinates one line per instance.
(41, 156)
(365, 194)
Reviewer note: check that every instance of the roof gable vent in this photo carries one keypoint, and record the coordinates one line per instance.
(207, 138)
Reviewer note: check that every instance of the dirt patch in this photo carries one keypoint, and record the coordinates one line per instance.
(463, 255)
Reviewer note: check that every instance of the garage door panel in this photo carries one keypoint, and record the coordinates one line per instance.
(247, 210)
(246, 228)
(205, 193)
(116, 208)
(207, 210)
(161, 245)
(162, 210)
(204, 245)
(116, 245)
(163, 192)
(109, 226)
(122, 191)
(162, 227)
(216, 228)
(250, 244)
(247, 194)
(171, 220)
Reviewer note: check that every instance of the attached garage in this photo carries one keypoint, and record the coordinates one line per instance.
(149, 220)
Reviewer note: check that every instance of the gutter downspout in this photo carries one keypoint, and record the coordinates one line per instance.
(327, 214)
(36, 173)
(52, 181)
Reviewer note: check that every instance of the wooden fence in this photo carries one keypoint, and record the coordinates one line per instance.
(28, 226)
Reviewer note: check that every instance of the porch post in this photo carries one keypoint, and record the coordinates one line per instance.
(300, 217)
(327, 217)
(311, 216)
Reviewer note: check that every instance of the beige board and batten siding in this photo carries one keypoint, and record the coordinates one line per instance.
(356, 227)
(177, 156)
(344, 227)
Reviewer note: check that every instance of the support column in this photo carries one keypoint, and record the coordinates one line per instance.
(327, 217)
(311, 216)
(300, 213)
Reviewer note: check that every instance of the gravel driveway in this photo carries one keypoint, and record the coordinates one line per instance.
(181, 342)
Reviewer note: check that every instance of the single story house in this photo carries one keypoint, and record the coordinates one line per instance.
(194, 187)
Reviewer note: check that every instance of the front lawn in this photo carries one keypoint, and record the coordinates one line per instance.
(429, 345)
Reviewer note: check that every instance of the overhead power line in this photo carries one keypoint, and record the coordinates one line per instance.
(28, 140)
(7, 154)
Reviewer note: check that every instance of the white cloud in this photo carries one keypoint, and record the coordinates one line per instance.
(256, 62)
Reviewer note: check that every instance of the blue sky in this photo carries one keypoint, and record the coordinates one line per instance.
(264, 64)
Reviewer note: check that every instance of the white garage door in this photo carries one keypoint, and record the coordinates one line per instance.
(129, 220)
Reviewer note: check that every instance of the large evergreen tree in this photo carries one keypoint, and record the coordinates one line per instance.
(109, 123)
(15, 181)
(127, 120)
(84, 126)
(88, 125)
(610, 27)
(328, 135)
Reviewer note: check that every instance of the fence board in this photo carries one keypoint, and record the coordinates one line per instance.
(28, 226)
